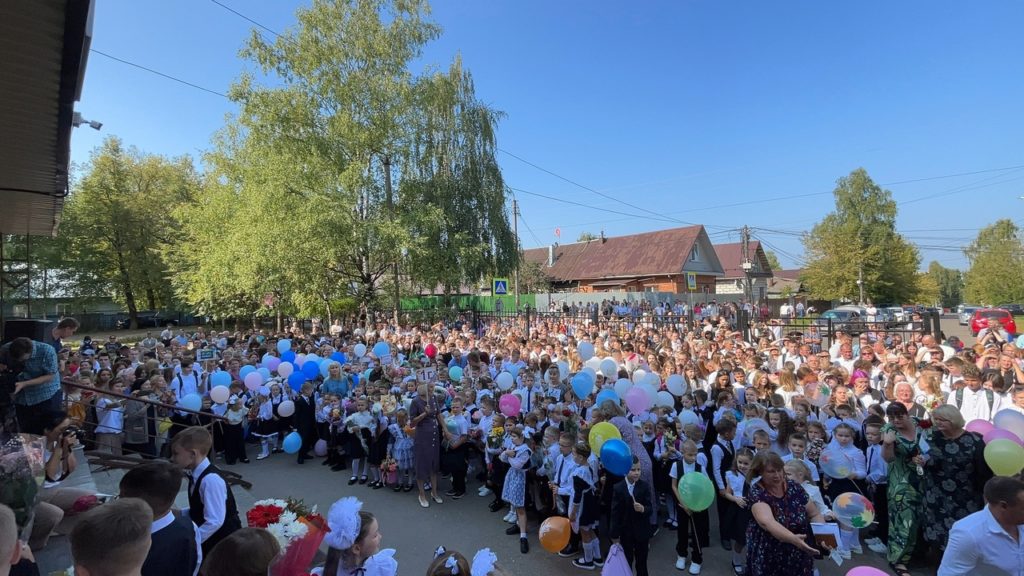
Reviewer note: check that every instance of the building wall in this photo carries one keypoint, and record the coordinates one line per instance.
(735, 286)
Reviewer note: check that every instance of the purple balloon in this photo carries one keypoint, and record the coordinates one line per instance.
(272, 363)
(979, 426)
(999, 433)
(637, 400)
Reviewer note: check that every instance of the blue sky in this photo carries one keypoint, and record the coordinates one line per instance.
(701, 112)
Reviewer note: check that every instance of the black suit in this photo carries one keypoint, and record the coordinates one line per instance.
(633, 529)
(305, 424)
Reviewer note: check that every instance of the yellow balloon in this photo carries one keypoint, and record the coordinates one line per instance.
(1004, 457)
(601, 433)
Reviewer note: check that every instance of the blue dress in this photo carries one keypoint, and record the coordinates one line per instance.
(514, 490)
(402, 448)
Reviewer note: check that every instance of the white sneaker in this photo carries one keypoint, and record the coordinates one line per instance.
(262, 456)
(485, 491)
(845, 554)
(680, 562)
(878, 547)
(510, 517)
(856, 550)
(694, 568)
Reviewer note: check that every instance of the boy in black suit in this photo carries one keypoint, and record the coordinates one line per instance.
(305, 421)
(176, 549)
(631, 522)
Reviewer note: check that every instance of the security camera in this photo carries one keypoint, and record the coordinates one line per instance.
(95, 125)
(77, 120)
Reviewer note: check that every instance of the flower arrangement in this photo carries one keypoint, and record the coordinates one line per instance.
(21, 476)
(297, 528)
(495, 437)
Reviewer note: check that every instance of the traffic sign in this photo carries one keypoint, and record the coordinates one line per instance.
(691, 281)
(500, 287)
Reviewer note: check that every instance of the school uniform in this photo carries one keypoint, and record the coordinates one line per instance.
(662, 482)
(584, 498)
(211, 505)
(878, 485)
(737, 518)
(811, 465)
(305, 425)
(633, 529)
(694, 528)
(722, 454)
(514, 489)
(176, 549)
(234, 441)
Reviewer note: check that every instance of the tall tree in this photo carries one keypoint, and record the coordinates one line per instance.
(949, 282)
(586, 236)
(996, 275)
(773, 260)
(858, 242)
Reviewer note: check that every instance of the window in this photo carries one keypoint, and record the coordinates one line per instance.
(694, 254)
(653, 288)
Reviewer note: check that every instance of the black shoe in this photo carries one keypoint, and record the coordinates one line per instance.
(569, 551)
(524, 546)
(512, 530)
(277, 450)
(451, 492)
(599, 562)
(338, 467)
(362, 480)
(495, 506)
(407, 488)
(457, 495)
(377, 485)
(327, 462)
(396, 488)
(352, 480)
(244, 460)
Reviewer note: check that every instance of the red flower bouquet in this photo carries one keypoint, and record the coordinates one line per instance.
(298, 529)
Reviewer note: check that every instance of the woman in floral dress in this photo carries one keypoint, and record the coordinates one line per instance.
(901, 449)
(955, 474)
(780, 522)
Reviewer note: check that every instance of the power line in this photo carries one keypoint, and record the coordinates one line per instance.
(244, 17)
(582, 205)
(161, 74)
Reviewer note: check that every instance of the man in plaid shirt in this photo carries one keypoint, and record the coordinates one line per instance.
(37, 392)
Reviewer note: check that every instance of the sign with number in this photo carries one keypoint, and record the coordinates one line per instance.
(500, 287)
(691, 281)
(426, 375)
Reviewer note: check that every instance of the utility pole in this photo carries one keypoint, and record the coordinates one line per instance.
(391, 210)
(519, 254)
(746, 264)
(860, 282)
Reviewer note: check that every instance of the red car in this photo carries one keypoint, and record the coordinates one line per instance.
(982, 316)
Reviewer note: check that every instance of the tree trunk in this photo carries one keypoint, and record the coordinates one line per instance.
(151, 298)
(126, 290)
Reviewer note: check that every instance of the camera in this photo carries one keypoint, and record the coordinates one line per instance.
(75, 431)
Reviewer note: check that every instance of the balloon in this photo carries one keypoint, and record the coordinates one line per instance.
(509, 404)
(286, 408)
(638, 375)
(452, 426)
(585, 350)
(360, 350)
(288, 356)
(310, 369)
(554, 534)
(284, 345)
(637, 400)
(220, 379)
(616, 457)
(594, 364)
(817, 393)
(753, 425)
(338, 357)
(245, 371)
(381, 349)
(835, 463)
(285, 369)
(300, 360)
(296, 380)
(264, 372)
(665, 398)
(591, 371)
(676, 384)
(687, 417)
(254, 380)
(505, 381)
(979, 426)
(325, 368)
(1004, 457)
(430, 350)
(366, 374)
(563, 370)
(292, 443)
(455, 373)
(622, 386)
(320, 448)
(601, 433)
(273, 363)
(606, 395)
(192, 402)
(853, 510)
(1000, 434)
(652, 380)
(582, 385)
(267, 358)
(865, 571)
(220, 394)
(1011, 420)
(609, 368)
(696, 491)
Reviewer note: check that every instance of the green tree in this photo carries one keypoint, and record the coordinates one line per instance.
(859, 241)
(949, 282)
(996, 275)
(532, 279)
(773, 260)
(586, 237)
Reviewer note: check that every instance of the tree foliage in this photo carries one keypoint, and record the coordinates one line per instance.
(996, 275)
(586, 236)
(949, 283)
(860, 237)
(532, 279)
(773, 260)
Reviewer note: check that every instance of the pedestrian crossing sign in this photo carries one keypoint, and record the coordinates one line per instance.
(500, 287)
(691, 281)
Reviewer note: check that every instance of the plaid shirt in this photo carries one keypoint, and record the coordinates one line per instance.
(42, 361)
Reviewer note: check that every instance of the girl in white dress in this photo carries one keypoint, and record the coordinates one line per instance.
(354, 543)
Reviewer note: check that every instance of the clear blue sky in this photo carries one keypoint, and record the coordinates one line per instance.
(678, 107)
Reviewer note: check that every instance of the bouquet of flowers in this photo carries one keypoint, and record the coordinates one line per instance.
(21, 475)
(298, 529)
(389, 467)
(495, 437)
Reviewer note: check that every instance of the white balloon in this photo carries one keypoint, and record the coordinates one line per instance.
(689, 417)
(653, 380)
(300, 359)
(585, 350)
(651, 391)
(594, 364)
(286, 409)
(220, 394)
(664, 398)
(285, 369)
(505, 381)
(609, 368)
(360, 350)
(563, 370)
(676, 384)
(638, 375)
(622, 386)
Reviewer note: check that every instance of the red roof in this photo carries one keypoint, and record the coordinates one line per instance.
(731, 257)
(656, 253)
(792, 274)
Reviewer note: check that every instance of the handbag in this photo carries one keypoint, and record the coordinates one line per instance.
(616, 564)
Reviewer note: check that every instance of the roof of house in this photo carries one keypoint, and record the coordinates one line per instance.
(731, 257)
(647, 254)
(792, 274)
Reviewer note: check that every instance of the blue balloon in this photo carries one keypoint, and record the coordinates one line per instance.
(381, 349)
(266, 358)
(296, 380)
(366, 375)
(616, 457)
(288, 356)
(192, 402)
(606, 394)
(455, 373)
(292, 443)
(338, 357)
(355, 379)
(265, 372)
(310, 370)
(220, 379)
(284, 345)
(324, 369)
(246, 370)
(582, 384)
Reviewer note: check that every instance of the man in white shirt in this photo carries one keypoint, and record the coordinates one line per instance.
(989, 542)
(973, 401)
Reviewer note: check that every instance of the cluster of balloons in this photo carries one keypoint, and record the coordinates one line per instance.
(1004, 441)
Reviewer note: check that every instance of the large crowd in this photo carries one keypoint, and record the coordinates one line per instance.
(597, 422)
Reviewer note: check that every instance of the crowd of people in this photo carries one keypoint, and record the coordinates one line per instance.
(498, 404)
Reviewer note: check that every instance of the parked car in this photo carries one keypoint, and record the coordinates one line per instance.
(982, 316)
(1015, 309)
(849, 319)
(895, 313)
(965, 313)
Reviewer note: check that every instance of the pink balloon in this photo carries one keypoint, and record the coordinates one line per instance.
(637, 400)
(999, 433)
(272, 363)
(253, 380)
(979, 427)
(865, 571)
(510, 405)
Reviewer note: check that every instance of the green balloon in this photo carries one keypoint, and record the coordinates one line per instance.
(696, 491)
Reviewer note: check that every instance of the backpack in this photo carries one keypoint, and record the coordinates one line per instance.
(988, 396)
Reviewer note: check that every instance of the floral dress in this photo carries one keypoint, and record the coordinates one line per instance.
(955, 474)
(402, 447)
(766, 555)
(904, 494)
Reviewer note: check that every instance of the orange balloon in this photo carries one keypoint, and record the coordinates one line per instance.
(554, 533)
